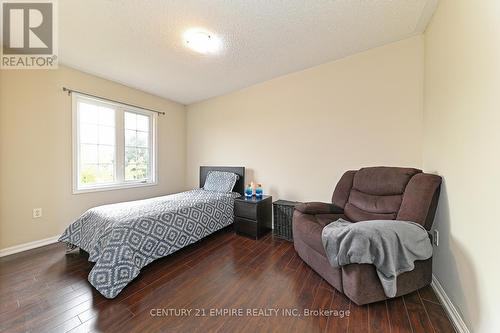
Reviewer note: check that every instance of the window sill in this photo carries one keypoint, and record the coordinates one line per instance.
(113, 187)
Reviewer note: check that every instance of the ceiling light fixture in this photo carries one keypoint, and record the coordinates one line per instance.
(201, 41)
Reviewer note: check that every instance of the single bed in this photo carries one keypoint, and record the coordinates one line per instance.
(122, 238)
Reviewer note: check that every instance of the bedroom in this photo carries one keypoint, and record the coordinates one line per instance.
(290, 95)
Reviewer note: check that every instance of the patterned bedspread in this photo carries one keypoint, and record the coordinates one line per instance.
(122, 238)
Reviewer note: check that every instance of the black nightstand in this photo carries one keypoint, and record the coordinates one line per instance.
(252, 216)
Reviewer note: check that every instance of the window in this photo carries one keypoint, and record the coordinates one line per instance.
(114, 145)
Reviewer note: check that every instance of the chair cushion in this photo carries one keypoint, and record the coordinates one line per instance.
(377, 193)
(343, 189)
(318, 208)
(324, 219)
(382, 204)
(309, 228)
(355, 214)
(383, 180)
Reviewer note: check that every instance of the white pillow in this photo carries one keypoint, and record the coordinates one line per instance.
(220, 181)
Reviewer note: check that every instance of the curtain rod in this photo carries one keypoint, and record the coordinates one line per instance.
(109, 100)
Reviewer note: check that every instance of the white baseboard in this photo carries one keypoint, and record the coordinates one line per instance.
(27, 246)
(450, 309)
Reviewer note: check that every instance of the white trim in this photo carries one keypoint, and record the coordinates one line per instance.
(119, 182)
(113, 187)
(449, 307)
(27, 246)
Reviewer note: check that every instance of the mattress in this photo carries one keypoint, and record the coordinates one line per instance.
(123, 238)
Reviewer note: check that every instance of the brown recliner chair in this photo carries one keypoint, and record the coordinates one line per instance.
(378, 193)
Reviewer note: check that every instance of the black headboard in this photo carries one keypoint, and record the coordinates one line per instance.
(240, 171)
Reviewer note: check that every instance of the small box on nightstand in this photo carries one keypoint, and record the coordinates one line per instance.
(252, 216)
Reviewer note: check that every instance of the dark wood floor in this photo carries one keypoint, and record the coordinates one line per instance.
(46, 290)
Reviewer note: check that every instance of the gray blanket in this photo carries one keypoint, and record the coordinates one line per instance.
(391, 246)
(123, 238)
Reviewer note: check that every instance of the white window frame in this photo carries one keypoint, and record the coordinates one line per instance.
(119, 165)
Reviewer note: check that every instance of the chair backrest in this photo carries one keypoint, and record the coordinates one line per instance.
(388, 193)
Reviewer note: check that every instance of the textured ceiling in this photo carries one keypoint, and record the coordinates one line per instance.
(139, 42)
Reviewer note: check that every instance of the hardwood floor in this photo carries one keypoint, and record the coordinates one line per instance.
(46, 290)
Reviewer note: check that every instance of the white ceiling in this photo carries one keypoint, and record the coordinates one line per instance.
(139, 42)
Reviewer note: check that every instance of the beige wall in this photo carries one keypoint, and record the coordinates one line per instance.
(462, 143)
(35, 151)
(298, 133)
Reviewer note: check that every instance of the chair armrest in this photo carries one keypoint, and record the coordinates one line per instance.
(314, 208)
